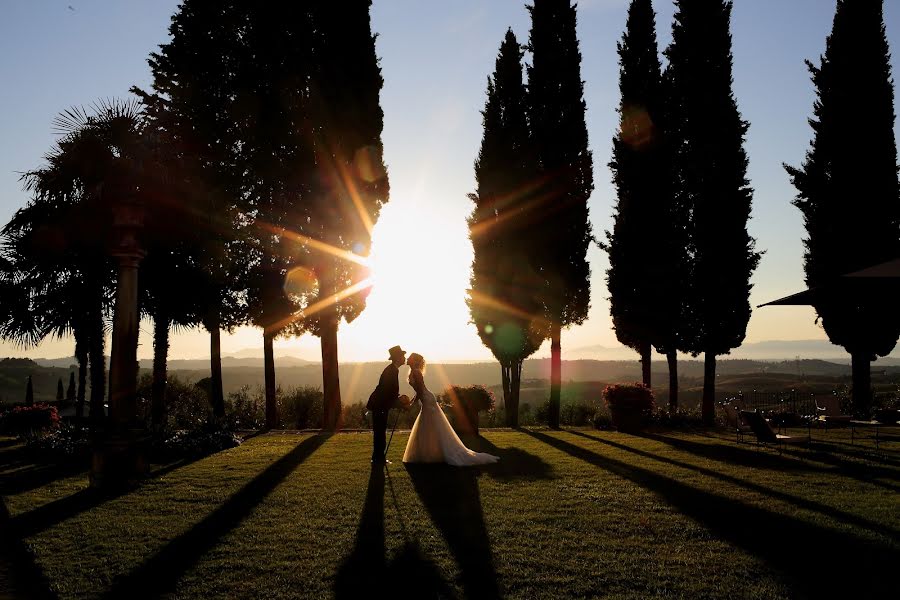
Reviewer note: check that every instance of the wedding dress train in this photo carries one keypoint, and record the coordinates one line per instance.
(433, 440)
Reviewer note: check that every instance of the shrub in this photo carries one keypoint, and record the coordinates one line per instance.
(187, 444)
(29, 420)
(682, 418)
(245, 411)
(187, 405)
(63, 443)
(467, 402)
(630, 405)
(602, 420)
(475, 398)
(301, 407)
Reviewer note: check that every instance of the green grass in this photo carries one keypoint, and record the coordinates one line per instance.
(564, 514)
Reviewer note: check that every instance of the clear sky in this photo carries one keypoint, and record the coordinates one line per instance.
(436, 57)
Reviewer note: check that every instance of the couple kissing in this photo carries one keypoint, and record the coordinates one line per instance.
(432, 439)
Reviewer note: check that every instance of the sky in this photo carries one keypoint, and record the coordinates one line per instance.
(435, 58)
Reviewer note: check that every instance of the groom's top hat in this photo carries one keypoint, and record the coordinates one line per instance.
(396, 351)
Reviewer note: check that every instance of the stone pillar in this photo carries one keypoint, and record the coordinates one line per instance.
(120, 455)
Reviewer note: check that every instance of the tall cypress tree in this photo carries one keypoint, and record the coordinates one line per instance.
(647, 247)
(712, 172)
(847, 188)
(29, 393)
(60, 392)
(351, 181)
(70, 390)
(562, 234)
(276, 151)
(194, 101)
(503, 299)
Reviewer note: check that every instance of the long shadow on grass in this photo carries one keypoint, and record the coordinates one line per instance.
(34, 474)
(805, 503)
(766, 460)
(57, 511)
(451, 497)
(161, 573)
(366, 571)
(829, 563)
(26, 578)
(514, 463)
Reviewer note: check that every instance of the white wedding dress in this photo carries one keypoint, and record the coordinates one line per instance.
(432, 439)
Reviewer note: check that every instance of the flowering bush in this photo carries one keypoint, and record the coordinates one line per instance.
(466, 402)
(630, 405)
(27, 420)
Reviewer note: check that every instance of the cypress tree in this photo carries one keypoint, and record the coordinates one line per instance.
(276, 151)
(847, 188)
(502, 300)
(195, 101)
(351, 182)
(70, 390)
(562, 233)
(712, 172)
(29, 393)
(60, 393)
(647, 247)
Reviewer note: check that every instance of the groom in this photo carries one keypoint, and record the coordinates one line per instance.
(383, 399)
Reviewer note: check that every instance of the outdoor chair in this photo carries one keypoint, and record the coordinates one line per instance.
(828, 411)
(765, 435)
(735, 422)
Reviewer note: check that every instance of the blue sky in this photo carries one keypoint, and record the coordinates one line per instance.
(436, 56)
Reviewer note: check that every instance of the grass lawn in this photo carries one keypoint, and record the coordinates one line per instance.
(570, 514)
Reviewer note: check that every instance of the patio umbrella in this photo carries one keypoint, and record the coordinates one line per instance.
(876, 281)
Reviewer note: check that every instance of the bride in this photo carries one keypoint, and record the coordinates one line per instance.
(432, 439)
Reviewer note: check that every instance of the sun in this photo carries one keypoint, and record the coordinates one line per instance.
(420, 263)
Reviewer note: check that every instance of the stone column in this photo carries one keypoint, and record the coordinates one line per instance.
(119, 458)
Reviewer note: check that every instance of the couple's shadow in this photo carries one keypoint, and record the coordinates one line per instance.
(451, 497)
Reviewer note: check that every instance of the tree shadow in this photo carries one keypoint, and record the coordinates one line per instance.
(57, 511)
(759, 458)
(25, 578)
(821, 562)
(451, 497)
(514, 463)
(160, 574)
(36, 475)
(804, 503)
(366, 571)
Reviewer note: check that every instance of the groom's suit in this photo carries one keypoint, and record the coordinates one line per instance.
(383, 399)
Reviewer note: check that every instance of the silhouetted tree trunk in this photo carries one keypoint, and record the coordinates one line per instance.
(672, 359)
(160, 358)
(269, 364)
(861, 393)
(331, 382)
(505, 377)
(216, 395)
(81, 355)
(512, 412)
(708, 407)
(646, 355)
(555, 375)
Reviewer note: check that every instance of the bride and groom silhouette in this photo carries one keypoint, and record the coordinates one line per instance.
(432, 439)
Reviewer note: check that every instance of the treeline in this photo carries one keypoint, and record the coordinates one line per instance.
(680, 255)
(244, 185)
